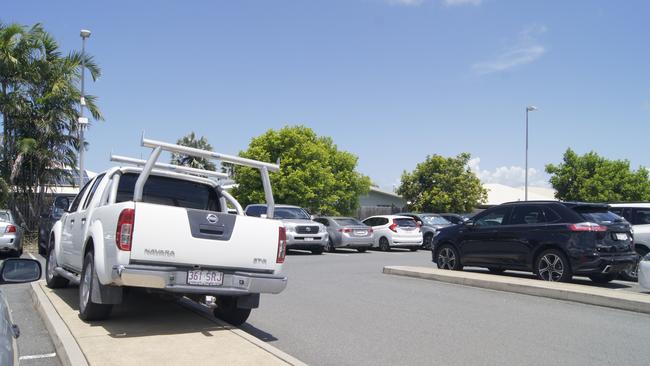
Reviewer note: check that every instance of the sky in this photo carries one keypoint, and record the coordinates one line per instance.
(391, 81)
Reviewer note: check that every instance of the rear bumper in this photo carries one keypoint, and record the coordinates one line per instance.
(9, 242)
(598, 264)
(351, 242)
(406, 241)
(173, 279)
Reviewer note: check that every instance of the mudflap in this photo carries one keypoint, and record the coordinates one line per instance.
(251, 301)
(105, 294)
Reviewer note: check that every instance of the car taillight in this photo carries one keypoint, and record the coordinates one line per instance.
(124, 232)
(282, 244)
(10, 229)
(370, 230)
(345, 230)
(393, 226)
(587, 226)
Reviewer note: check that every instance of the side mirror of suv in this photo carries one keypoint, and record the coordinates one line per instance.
(19, 270)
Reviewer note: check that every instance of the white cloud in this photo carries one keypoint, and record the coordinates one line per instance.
(462, 2)
(525, 50)
(406, 2)
(513, 176)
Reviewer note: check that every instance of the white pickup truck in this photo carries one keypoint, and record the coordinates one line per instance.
(167, 228)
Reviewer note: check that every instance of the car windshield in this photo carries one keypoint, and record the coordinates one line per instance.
(598, 215)
(348, 222)
(4, 216)
(405, 222)
(435, 220)
(290, 213)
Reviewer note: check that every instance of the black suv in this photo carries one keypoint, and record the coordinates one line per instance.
(555, 240)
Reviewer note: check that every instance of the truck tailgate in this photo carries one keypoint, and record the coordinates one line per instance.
(187, 237)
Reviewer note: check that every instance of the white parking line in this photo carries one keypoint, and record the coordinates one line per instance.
(340, 254)
(37, 357)
(31, 255)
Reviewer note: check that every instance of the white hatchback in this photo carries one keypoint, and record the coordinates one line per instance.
(395, 231)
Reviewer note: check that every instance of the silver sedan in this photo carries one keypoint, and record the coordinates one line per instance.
(11, 235)
(346, 232)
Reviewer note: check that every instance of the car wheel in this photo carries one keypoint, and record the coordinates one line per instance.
(88, 310)
(228, 311)
(42, 249)
(428, 239)
(631, 272)
(496, 270)
(330, 246)
(52, 279)
(414, 249)
(552, 265)
(603, 277)
(317, 251)
(384, 245)
(361, 250)
(448, 258)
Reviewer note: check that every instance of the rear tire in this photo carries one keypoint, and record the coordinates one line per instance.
(447, 258)
(228, 311)
(631, 273)
(428, 240)
(52, 279)
(384, 245)
(414, 249)
(88, 310)
(42, 249)
(317, 251)
(552, 265)
(603, 278)
(361, 250)
(330, 246)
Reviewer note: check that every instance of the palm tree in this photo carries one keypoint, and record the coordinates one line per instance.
(202, 143)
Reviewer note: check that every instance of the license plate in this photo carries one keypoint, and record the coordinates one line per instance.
(309, 239)
(204, 278)
(621, 236)
(361, 232)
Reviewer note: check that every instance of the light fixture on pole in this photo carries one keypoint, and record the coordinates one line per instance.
(83, 121)
(529, 108)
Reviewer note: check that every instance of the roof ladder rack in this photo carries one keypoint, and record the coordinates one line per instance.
(159, 146)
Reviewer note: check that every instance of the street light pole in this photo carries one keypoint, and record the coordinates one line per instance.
(529, 108)
(83, 121)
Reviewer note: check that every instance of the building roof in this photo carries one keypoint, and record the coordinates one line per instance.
(377, 190)
(501, 193)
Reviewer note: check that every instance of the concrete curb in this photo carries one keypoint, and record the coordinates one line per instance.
(66, 346)
(206, 313)
(561, 291)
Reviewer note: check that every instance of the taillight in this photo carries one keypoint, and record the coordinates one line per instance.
(282, 245)
(370, 230)
(124, 232)
(393, 226)
(10, 229)
(345, 230)
(587, 226)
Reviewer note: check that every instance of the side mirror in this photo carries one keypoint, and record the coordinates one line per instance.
(468, 223)
(20, 270)
(312, 217)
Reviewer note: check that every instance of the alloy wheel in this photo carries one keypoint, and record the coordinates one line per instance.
(51, 264)
(551, 267)
(446, 258)
(85, 285)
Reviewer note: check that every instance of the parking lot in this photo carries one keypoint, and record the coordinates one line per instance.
(340, 309)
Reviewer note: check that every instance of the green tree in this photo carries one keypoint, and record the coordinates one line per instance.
(39, 107)
(202, 143)
(592, 178)
(314, 173)
(442, 184)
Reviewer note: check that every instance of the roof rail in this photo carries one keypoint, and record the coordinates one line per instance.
(159, 146)
(170, 167)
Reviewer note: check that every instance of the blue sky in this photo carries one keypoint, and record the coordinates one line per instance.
(389, 80)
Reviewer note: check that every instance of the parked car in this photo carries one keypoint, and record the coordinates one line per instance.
(11, 235)
(49, 217)
(13, 271)
(302, 231)
(644, 272)
(455, 218)
(346, 232)
(393, 231)
(637, 214)
(166, 229)
(554, 240)
(429, 224)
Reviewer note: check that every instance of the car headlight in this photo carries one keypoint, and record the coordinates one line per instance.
(290, 229)
(321, 229)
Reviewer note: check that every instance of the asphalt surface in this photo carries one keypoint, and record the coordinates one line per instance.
(34, 344)
(339, 309)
